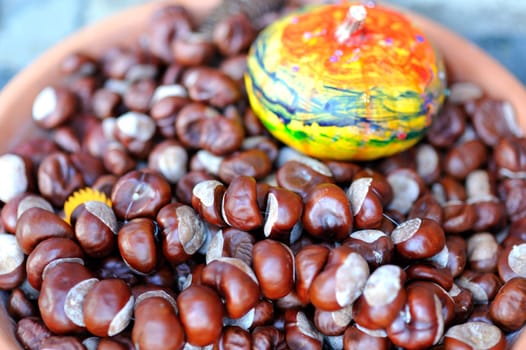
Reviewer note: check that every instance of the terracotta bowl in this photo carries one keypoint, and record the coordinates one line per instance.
(465, 62)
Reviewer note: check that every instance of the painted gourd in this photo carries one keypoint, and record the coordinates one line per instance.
(370, 95)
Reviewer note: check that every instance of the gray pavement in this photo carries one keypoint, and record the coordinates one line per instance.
(29, 27)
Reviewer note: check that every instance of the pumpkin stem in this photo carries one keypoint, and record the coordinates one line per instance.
(352, 23)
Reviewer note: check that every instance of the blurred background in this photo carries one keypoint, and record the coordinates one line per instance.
(29, 27)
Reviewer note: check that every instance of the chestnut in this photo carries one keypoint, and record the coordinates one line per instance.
(234, 337)
(95, 228)
(201, 312)
(511, 262)
(367, 207)
(483, 251)
(183, 231)
(137, 245)
(207, 197)
(507, 309)
(299, 177)
(60, 279)
(407, 186)
(382, 299)
(231, 242)
(341, 281)
(268, 338)
(425, 272)
(483, 285)
(274, 267)
(327, 212)
(373, 245)
(235, 282)
(107, 307)
(463, 300)
(474, 335)
(355, 338)
(47, 251)
(170, 159)
(156, 325)
(62, 343)
(457, 254)
(140, 194)
(12, 267)
(310, 261)
(37, 224)
(16, 206)
(240, 208)
(31, 332)
(283, 215)
(333, 323)
(300, 333)
(19, 306)
(418, 238)
(420, 324)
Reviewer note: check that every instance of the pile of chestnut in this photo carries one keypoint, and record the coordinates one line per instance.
(220, 237)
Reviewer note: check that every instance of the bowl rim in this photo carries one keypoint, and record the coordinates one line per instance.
(125, 26)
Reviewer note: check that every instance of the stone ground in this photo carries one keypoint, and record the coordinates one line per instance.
(29, 27)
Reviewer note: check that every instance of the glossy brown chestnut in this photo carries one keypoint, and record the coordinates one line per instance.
(108, 307)
(283, 215)
(36, 225)
(95, 228)
(268, 338)
(355, 339)
(201, 312)
(507, 309)
(332, 323)
(327, 212)
(511, 262)
(252, 162)
(418, 238)
(47, 251)
(407, 186)
(421, 323)
(240, 208)
(137, 245)
(341, 281)
(474, 335)
(367, 207)
(379, 184)
(184, 187)
(373, 245)
(156, 325)
(382, 299)
(457, 254)
(300, 333)
(425, 272)
(19, 306)
(299, 177)
(207, 198)
(182, 230)
(483, 285)
(58, 177)
(140, 194)
(463, 300)
(274, 267)
(16, 206)
(59, 280)
(231, 242)
(235, 282)
(309, 261)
